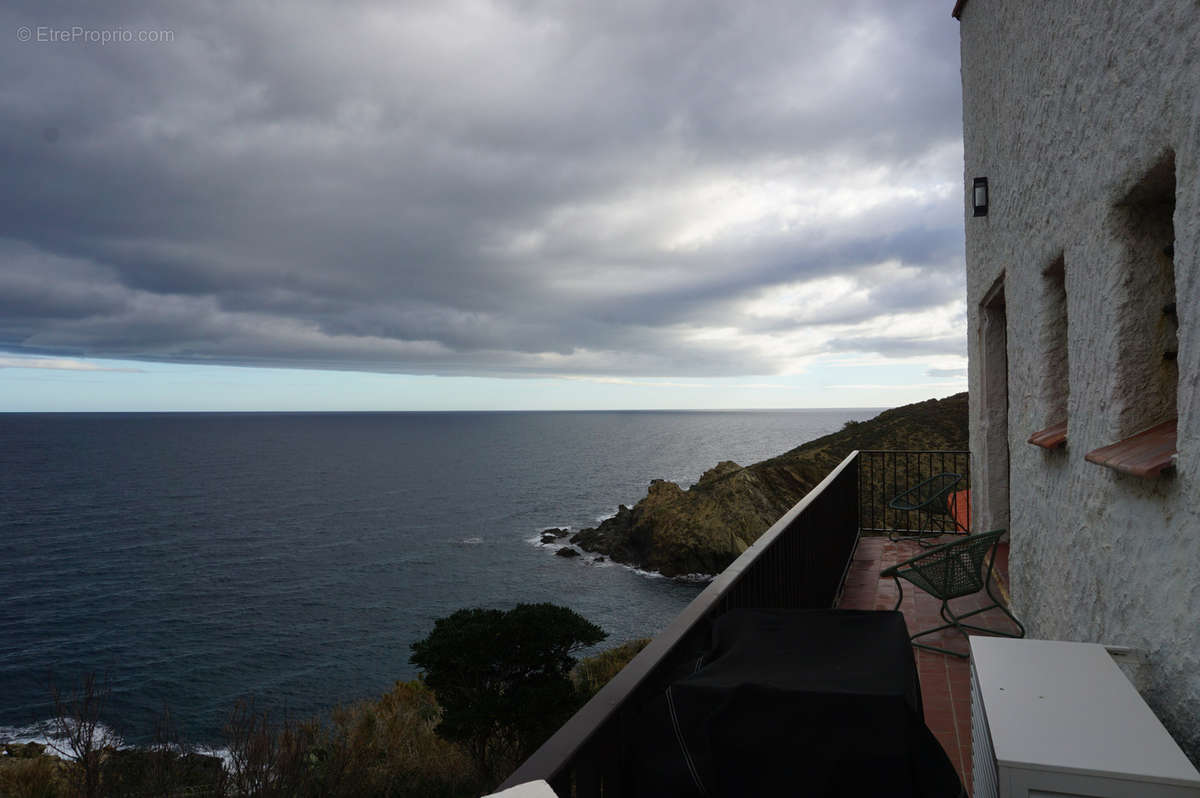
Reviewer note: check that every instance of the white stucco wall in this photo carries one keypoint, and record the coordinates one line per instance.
(1066, 106)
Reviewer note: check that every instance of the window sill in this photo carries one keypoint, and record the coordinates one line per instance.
(1052, 437)
(1146, 454)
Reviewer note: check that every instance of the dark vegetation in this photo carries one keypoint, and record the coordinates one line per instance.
(495, 685)
(503, 679)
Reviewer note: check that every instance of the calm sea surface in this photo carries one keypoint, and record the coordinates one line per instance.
(199, 558)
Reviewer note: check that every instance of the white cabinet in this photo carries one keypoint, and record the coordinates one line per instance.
(1052, 718)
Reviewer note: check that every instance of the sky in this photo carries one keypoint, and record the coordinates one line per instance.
(467, 205)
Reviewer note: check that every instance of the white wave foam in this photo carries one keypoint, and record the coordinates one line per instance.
(471, 541)
(22, 734)
(45, 734)
(589, 557)
(221, 753)
(699, 579)
(42, 733)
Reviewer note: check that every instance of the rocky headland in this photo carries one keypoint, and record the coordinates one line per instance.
(704, 528)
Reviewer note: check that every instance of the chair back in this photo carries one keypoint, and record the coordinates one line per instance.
(953, 569)
(929, 495)
(936, 486)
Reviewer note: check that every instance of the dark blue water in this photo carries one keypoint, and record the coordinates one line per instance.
(198, 558)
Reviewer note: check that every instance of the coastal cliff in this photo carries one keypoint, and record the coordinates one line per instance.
(704, 528)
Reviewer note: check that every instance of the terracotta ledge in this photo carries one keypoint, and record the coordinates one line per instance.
(1052, 437)
(1146, 454)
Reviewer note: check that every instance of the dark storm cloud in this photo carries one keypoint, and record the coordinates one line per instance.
(466, 187)
(905, 346)
(944, 373)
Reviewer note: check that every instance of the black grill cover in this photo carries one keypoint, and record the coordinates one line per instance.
(794, 702)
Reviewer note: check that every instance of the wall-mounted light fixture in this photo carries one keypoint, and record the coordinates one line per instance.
(979, 196)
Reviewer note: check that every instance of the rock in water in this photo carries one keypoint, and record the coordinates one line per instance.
(567, 551)
(24, 750)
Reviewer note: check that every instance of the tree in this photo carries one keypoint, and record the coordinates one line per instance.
(266, 759)
(503, 678)
(76, 732)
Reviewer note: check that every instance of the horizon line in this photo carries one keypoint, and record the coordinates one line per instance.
(497, 410)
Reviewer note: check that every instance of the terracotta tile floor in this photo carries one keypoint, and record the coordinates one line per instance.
(945, 680)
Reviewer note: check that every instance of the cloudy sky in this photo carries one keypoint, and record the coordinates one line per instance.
(468, 204)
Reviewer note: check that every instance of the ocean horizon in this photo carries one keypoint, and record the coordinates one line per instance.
(197, 558)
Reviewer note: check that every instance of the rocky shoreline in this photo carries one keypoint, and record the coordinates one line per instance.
(701, 530)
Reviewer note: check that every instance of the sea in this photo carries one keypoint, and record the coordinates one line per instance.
(192, 560)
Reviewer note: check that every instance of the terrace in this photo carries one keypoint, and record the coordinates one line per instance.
(945, 681)
(827, 551)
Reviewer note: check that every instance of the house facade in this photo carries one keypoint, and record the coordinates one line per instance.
(1081, 127)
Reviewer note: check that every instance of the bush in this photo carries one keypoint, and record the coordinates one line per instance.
(41, 776)
(390, 747)
(503, 678)
(166, 768)
(386, 748)
(592, 673)
(153, 772)
(266, 759)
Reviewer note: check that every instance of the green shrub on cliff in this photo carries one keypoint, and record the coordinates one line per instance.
(385, 747)
(33, 775)
(594, 672)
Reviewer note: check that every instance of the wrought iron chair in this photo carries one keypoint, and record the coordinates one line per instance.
(931, 496)
(950, 571)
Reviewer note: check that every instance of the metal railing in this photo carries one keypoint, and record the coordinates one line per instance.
(884, 475)
(800, 562)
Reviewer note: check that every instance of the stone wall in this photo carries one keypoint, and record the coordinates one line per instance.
(1071, 110)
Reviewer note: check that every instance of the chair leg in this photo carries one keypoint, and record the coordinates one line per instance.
(955, 621)
(952, 623)
(920, 538)
(988, 579)
(958, 621)
(926, 540)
